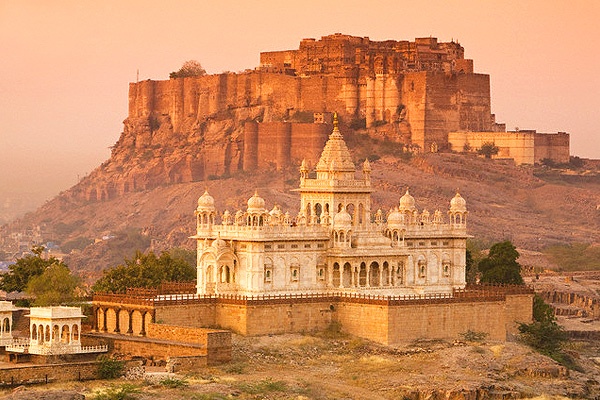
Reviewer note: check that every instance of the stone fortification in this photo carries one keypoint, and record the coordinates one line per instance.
(204, 127)
(524, 147)
(210, 126)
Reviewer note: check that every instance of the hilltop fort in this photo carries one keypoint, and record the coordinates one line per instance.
(424, 95)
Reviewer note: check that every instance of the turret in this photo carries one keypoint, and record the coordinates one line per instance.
(205, 212)
(458, 210)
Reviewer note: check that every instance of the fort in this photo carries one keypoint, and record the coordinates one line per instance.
(423, 94)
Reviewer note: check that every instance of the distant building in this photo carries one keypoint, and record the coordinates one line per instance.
(524, 147)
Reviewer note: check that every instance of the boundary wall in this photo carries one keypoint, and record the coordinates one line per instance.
(78, 371)
(384, 319)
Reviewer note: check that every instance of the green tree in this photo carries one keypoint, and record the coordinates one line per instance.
(488, 149)
(55, 286)
(147, 271)
(189, 68)
(19, 274)
(544, 334)
(501, 266)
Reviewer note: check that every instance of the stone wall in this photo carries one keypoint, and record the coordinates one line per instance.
(524, 147)
(22, 375)
(387, 321)
(554, 146)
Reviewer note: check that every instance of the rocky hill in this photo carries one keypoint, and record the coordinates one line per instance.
(504, 201)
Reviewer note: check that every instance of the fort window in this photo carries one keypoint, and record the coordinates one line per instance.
(281, 246)
(307, 246)
(294, 246)
(445, 243)
(243, 246)
(434, 243)
(321, 274)
(268, 246)
(320, 245)
(421, 243)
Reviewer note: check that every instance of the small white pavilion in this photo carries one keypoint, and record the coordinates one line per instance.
(54, 331)
(6, 322)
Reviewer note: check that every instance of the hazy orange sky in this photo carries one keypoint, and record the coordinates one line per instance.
(65, 65)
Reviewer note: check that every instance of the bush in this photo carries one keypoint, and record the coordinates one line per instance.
(474, 336)
(173, 383)
(264, 386)
(110, 368)
(123, 392)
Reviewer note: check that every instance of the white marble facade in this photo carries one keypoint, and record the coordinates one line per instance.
(334, 243)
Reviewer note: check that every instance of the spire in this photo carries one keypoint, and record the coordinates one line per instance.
(336, 130)
(336, 149)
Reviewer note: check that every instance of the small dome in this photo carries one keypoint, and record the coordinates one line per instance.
(275, 212)
(407, 202)
(395, 218)
(342, 219)
(256, 203)
(458, 204)
(219, 243)
(206, 202)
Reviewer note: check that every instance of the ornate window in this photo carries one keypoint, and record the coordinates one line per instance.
(320, 273)
(295, 273)
(446, 268)
(268, 272)
(422, 266)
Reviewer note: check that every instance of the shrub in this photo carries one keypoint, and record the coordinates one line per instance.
(173, 383)
(474, 336)
(110, 368)
(266, 385)
(123, 392)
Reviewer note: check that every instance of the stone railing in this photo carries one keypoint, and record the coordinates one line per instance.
(55, 349)
(473, 293)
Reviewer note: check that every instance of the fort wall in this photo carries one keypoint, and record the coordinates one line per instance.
(524, 147)
(553, 146)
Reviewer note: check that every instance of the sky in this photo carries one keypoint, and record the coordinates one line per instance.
(65, 65)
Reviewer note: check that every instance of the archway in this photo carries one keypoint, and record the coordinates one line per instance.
(374, 278)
